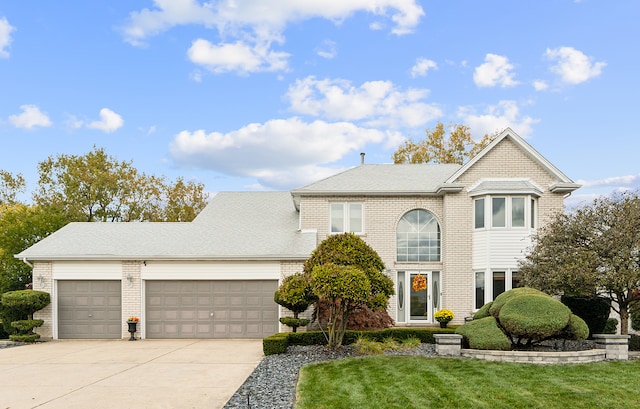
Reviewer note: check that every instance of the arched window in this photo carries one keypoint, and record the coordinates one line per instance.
(418, 237)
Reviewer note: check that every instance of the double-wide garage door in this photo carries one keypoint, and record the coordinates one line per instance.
(211, 309)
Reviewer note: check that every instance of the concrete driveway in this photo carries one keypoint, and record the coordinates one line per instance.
(121, 374)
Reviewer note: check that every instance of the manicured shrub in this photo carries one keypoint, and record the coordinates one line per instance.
(503, 298)
(17, 313)
(634, 343)
(275, 344)
(611, 327)
(483, 311)
(295, 295)
(533, 317)
(484, 334)
(294, 323)
(593, 310)
(634, 314)
(576, 330)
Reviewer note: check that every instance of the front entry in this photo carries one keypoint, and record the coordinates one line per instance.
(418, 296)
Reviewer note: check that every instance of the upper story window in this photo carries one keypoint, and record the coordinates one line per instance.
(346, 217)
(505, 212)
(418, 237)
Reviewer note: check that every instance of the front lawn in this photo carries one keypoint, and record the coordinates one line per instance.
(418, 382)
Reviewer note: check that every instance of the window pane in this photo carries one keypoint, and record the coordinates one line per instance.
(337, 218)
(499, 211)
(533, 213)
(515, 279)
(479, 213)
(418, 237)
(479, 290)
(355, 218)
(498, 283)
(517, 212)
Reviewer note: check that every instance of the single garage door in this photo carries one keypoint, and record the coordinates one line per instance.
(89, 309)
(211, 309)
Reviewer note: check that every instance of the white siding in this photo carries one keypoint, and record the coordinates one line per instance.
(87, 270)
(210, 270)
(499, 248)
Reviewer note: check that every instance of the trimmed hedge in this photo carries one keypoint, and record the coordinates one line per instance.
(278, 343)
(503, 298)
(611, 327)
(593, 310)
(634, 343)
(535, 317)
(484, 334)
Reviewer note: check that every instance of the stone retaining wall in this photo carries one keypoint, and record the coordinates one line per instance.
(537, 357)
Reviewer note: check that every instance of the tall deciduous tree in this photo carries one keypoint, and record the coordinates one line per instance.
(347, 272)
(595, 250)
(451, 145)
(98, 187)
(10, 187)
(21, 226)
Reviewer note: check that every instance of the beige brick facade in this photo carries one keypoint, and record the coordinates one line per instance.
(131, 294)
(42, 281)
(454, 212)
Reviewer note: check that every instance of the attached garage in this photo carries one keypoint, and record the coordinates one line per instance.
(89, 309)
(210, 308)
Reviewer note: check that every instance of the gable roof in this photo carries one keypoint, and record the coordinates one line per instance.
(564, 184)
(244, 225)
(382, 179)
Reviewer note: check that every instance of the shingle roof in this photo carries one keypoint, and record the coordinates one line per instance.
(244, 225)
(505, 186)
(382, 179)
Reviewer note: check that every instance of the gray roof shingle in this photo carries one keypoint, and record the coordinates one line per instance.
(243, 225)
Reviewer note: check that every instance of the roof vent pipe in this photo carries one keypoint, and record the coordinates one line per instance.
(362, 158)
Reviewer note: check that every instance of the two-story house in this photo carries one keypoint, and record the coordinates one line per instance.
(463, 228)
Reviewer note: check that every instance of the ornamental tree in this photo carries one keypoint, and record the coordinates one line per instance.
(593, 251)
(347, 273)
(295, 294)
(20, 306)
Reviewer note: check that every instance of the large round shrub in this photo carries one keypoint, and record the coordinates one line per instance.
(483, 311)
(503, 298)
(484, 333)
(534, 317)
(577, 329)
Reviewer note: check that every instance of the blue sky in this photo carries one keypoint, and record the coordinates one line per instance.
(255, 95)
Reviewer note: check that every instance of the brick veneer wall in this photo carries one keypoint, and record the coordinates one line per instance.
(131, 294)
(454, 212)
(44, 269)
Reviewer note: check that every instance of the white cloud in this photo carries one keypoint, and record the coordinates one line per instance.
(5, 37)
(248, 28)
(496, 70)
(497, 118)
(230, 16)
(422, 66)
(540, 85)
(374, 103)
(327, 50)
(30, 117)
(256, 150)
(109, 121)
(618, 182)
(238, 56)
(573, 66)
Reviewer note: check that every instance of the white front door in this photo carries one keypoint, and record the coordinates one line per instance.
(418, 296)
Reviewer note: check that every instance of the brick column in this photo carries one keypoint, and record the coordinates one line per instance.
(448, 344)
(615, 346)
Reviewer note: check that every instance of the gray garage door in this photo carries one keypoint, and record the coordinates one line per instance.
(211, 309)
(89, 309)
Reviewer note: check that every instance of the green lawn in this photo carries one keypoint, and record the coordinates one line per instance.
(418, 382)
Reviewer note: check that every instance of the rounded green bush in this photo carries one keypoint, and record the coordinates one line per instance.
(503, 298)
(534, 316)
(484, 333)
(576, 330)
(483, 311)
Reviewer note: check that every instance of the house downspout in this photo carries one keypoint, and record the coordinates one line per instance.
(24, 260)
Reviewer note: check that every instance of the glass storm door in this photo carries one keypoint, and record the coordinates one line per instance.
(418, 296)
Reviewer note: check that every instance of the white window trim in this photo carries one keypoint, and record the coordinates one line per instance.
(529, 200)
(346, 209)
(488, 283)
